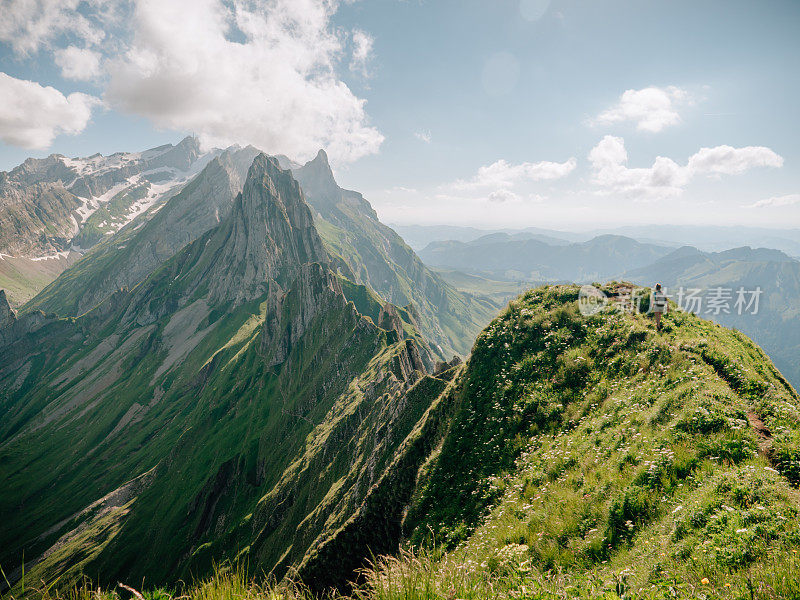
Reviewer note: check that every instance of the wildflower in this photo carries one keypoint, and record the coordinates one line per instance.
(704, 581)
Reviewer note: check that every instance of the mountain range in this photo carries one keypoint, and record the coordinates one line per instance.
(53, 209)
(532, 257)
(253, 370)
(710, 238)
(243, 395)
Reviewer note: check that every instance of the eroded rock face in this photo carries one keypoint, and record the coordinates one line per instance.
(315, 291)
(36, 218)
(7, 314)
(268, 236)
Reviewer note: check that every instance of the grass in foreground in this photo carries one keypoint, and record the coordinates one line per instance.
(424, 575)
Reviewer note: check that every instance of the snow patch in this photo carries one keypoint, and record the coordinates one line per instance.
(54, 256)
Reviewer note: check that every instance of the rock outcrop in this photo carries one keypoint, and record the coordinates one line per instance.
(7, 314)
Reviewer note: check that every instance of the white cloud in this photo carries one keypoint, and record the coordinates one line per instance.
(231, 71)
(362, 52)
(502, 174)
(29, 24)
(666, 178)
(503, 195)
(274, 87)
(777, 201)
(651, 108)
(31, 115)
(81, 64)
(726, 160)
(423, 136)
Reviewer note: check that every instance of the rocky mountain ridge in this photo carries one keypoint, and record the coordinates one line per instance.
(199, 397)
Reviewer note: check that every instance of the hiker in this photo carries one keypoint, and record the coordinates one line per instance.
(658, 305)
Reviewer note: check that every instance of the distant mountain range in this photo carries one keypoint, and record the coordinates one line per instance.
(53, 209)
(533, 257)
(704, 237)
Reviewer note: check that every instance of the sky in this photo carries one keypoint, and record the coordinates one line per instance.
(504, 113)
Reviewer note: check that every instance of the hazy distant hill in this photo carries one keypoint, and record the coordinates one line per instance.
(419, 236)
(706, 237)
(527, 257)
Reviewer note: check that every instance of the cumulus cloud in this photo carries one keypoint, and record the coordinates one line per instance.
(776, 201)
(274, 86)
(81, 64)
(726, 160)
(666, 178)
(503, 195)
(29, 24)
(652, 109)
(242, 71)
(502, 174)
(31, 115)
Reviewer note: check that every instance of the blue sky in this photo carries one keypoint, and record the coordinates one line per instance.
(505, 113)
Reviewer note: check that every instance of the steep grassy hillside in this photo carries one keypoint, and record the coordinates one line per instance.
(604, 451)
(23, 278)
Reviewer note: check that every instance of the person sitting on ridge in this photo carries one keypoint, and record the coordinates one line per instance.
(658, 305)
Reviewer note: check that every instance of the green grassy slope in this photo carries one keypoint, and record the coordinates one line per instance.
(23, 278)
(596, 446)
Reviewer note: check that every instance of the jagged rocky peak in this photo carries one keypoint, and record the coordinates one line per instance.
(317, 178)
(7, 314)
(267, 237)
(184, 154)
